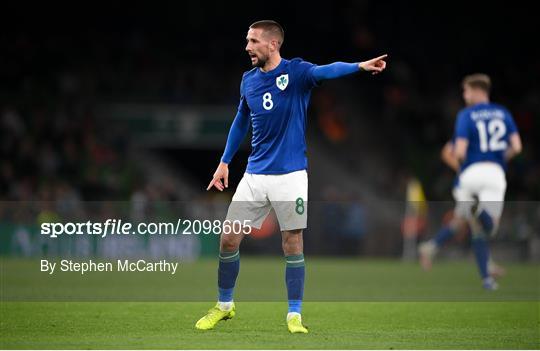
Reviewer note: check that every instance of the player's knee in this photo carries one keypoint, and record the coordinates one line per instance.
(292, 242)
(229, 243)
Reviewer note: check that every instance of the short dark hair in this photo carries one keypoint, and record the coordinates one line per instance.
(478, 81)
(271, 27)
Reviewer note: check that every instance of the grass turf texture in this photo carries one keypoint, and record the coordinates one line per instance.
(262, 279)
(343, 325)
(351, 304)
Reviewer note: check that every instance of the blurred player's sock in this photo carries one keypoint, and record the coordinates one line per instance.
(444, 234)
(229, 265)
(481, 252)
(486, 221)
(294, 278)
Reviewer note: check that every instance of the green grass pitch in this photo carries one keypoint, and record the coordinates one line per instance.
(351, 304)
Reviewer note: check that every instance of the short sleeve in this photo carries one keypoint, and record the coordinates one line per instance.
(510, 124)
(462, 126)
(304, 73)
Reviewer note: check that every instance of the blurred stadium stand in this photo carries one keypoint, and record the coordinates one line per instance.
(129, 106)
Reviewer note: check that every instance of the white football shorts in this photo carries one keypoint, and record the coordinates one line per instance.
(257, 194)
(485, 181)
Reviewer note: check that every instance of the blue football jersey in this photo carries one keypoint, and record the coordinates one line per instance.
(277, 103)
(487, 127)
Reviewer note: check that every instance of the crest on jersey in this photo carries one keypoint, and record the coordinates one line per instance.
(282, 81)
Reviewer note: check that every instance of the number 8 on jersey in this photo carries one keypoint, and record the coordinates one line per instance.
(267, 101)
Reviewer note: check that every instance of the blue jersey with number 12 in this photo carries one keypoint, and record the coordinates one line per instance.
(487, 127)
(277, 102)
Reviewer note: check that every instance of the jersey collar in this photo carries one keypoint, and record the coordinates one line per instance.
(280, 64)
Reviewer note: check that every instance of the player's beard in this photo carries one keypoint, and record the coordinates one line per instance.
(261, 61)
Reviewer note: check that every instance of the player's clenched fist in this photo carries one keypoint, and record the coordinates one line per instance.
(222, 172)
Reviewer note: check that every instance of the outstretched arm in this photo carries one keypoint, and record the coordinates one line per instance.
(237, 133)
(340, 69)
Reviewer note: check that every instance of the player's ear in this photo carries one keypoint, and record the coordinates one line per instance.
(274, 44)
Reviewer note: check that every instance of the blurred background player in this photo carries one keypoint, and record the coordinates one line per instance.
(485, 139)
(274, 96)
(429, 249)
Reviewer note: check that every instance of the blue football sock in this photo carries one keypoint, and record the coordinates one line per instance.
(486, 220)
(444, 234)
(229, 266)
(481, 251)
(294, 278)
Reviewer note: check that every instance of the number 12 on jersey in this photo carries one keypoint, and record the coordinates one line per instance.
(490, 134)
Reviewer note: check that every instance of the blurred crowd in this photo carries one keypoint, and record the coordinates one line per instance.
(53, 79)
(56, 150)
